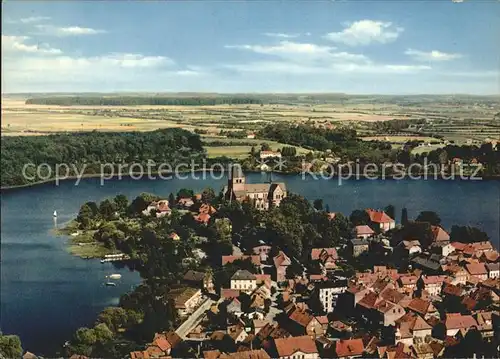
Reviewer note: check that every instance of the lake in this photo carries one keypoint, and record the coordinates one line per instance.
(46, 293)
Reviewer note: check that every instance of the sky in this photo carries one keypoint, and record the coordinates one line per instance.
(358, 47)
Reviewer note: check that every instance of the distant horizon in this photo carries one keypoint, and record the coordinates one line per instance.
(194, 93)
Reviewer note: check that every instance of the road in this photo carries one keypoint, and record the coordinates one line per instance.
(194, 319)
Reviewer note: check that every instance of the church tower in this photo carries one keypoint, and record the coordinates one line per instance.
(236, 180)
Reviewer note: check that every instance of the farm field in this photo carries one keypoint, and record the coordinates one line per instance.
(461, 121)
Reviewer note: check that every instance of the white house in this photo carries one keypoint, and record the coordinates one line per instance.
(244, 281)
(493, 270)
(328, 293)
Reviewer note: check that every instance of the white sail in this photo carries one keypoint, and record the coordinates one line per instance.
(55, 213)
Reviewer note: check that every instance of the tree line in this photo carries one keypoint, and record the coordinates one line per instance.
(92, 150)
(141, 101)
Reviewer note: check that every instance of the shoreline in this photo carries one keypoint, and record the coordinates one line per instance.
(309, 174)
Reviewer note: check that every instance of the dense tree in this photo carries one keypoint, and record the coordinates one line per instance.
(141, 100)
(318, 204)
(141, 202)
(121, 202)
(404, 217)
(85, 216)
(430, 217)
(185, 193)
(391, 211)
(10, 346)
(208, 195)
(95, 152)
(467, 234)
(359, 217)
(107, 209)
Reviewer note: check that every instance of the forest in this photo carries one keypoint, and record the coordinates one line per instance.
(141, 101)
(93, 149)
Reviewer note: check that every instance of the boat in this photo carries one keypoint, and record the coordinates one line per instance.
(114, 276)
(55, 213)
(111, 284)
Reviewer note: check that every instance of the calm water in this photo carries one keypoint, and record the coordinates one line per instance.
(46, 293)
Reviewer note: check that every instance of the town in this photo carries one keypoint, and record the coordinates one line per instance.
(357, 286)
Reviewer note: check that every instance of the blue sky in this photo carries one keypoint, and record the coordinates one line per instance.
(385, 47)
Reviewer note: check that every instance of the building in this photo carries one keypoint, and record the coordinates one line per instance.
(409, 248)
(381, 220)
(281, 263)
(444, 249)
(201, 280)
(456, 322)
(352, 348)
(264, 155)
(359, 246)
(262, 251)
(302, 322)
(432, 284)
(439, 234)
(261, 195)
(303, 347)
(363, 232)
(326, 256)
(186, 299)
(477, 270)
(244, 281)
(328, 293)
(160, 207)
(493, 270)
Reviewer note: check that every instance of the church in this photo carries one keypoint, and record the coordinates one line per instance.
(262, 195)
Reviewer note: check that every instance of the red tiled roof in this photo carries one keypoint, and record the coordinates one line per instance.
(368, 300)
(230, 259)
(331, 215)
(459, 246)
(322, 319)
(421, 324)
(451, 289)
(317, 253)
(300, 317)
(347, 348)
(419, 305)
(286, 347)
(211, 354)
(434, 279)
(281, 260)
(458, 321)
(363, 230)
(229, 293)
(206, 208)
(202, 217)
(476, 268)
(439, 234)
(379, 216)
(247, 354)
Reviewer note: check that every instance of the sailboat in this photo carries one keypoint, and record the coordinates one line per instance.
(55, 213)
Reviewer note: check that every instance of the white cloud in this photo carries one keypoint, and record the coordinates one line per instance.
(27, 20)
(433, 55)
(333, 68)
(31, 19)
(303, 52)
(365, 32)
(281, 35)
(68, 30)
(286, 48)
(18, 44)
